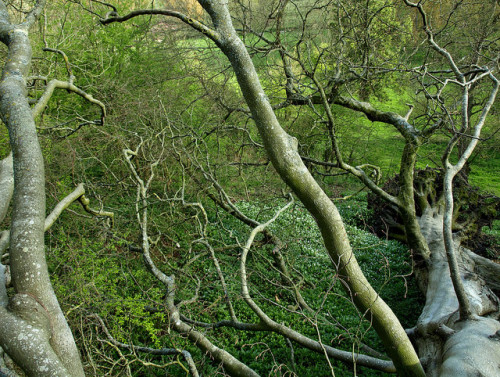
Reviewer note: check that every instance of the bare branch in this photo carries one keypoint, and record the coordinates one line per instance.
(195, 24)
(152, 351)
(57, 84)
(71, 77)
(84, 201)
(35, 13)
(370, 112)
(62, 205)
(466, 310)
(77, 194)
(430, 37)
(230, 363)
(317, 346)
(406, 129)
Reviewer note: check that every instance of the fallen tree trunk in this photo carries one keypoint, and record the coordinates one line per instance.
(449, 346)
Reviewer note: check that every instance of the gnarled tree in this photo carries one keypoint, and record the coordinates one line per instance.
(33, 329)
(317, 75)
(330, 57)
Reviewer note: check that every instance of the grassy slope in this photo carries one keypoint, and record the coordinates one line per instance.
(381, 145)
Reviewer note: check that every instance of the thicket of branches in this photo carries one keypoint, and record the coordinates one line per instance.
(197, 253)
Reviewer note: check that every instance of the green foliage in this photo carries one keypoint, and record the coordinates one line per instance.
(493, 236)
(99, 278)
(386, 264)
(100, 275)
(174, 88)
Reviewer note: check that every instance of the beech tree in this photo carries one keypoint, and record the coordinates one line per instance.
(457, 332)
(448, 273)
(33, 330)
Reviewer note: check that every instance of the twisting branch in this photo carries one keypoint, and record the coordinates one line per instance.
(71, 77)
(466, 309)
(430, 37)
(230, 363)
(222, 280)
(57, 84)
(105, 4)
(245, 250)
(42, 102)
(34, 14)
(407, 130)
(77, 194)
(62, 205)
(282, 150)
(195, 24)
(317, 346)
(84, 201)
(152, 351)
(222, 200)
(369, 111)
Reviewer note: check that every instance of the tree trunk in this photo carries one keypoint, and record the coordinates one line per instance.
(33, 330)
(282, 150)
(448, 346)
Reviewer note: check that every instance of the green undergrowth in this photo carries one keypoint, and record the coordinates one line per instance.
(493, 233)
(99, 274)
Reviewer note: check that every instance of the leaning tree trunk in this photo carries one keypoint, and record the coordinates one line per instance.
(282, 150)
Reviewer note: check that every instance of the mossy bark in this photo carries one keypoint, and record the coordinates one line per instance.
(282, 150)
(33, 330)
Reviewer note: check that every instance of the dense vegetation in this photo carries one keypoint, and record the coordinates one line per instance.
(176, 120)
(126, 293)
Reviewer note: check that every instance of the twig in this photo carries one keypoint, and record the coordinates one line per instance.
(152, 351)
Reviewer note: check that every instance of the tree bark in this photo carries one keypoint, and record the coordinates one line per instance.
(447, 345)
(6, 185)
(282, 150)
(33, 330)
